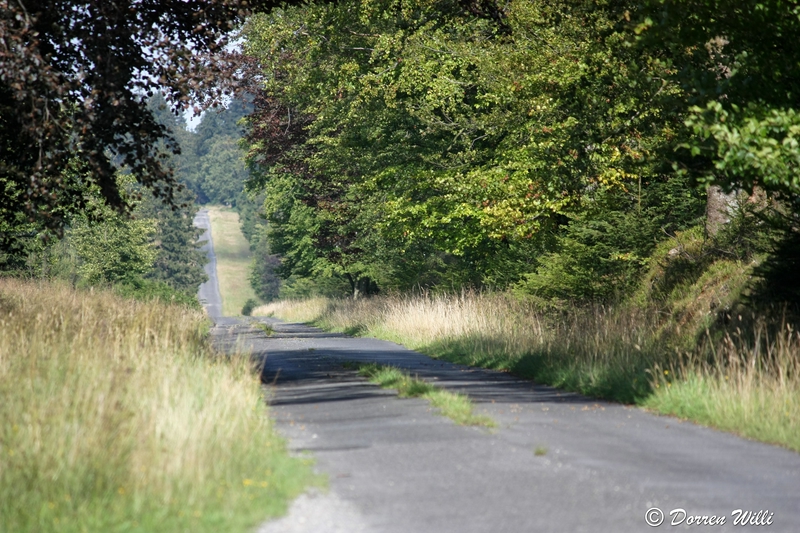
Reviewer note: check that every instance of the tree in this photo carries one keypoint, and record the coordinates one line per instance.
(416, 144)
(178, 261)
(115, 250)
(211, 163)
(75, 77)
(264, 271)
(739, 65)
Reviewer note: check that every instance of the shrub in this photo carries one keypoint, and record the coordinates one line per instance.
(248, 307)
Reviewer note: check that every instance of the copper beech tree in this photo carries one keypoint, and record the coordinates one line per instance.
(75, 77)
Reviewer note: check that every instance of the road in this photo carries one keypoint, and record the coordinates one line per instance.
(395, 465)
(209, 294)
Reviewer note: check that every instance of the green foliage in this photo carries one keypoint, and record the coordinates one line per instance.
(297, 287)
(149, 289)
(211, 161)
(248, 307)
(604, 249)
(263, 272)
(753, 146)
(450, 153)
(740, 76)
(150, 255)
(113, 250)
(178, 262)
(60, 103)
(549, 148)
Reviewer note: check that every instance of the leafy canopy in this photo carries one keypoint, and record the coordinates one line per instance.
(75, 77)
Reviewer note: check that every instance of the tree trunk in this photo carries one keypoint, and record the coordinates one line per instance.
(719, 207)
(353, 286)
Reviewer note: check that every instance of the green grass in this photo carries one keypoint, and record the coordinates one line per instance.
(456, 407)
(749, 392)
(117, 416)
(736, 378)
(266, 328)
(233, 260)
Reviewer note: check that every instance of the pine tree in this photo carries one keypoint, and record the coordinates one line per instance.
(179, 263)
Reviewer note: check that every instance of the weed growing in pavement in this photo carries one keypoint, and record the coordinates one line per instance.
(457, 407)
(266, 328)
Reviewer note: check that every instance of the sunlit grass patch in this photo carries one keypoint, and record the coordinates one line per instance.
(116, 415)
(457, 407)
(752, 391)
(233, 260)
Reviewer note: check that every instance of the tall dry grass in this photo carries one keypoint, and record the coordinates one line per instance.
(598, 351)
(615, 353)
(117, 416)
(749, 384)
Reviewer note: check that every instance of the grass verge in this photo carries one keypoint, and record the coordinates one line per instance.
(746, 384)
(233, 260)
(456, 407)
(116, 415)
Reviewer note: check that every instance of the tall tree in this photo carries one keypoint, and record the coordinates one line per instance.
(415, 143)
(738, 62)
(178, 261)
(75, 76)
(211, 162)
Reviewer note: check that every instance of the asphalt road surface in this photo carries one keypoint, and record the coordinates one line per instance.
(209, 291)
(395, 465)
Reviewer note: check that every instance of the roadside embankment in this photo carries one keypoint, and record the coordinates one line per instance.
(747, 382)
(117, 415)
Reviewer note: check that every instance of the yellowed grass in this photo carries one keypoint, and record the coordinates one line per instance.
(306, 310)
(492, 324)
(751, 387)
(117, 414)
(233, 260)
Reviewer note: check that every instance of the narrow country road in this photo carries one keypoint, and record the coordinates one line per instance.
(394, 465)
(209, 294)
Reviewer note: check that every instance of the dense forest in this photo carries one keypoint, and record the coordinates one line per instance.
(599, 196)
(547, 147)
(149, 251)
(88, 190)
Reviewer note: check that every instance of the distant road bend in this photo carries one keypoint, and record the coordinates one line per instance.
(394, 465)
